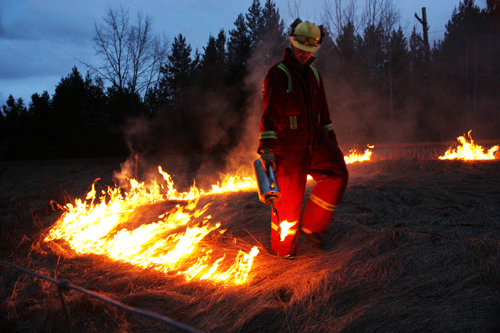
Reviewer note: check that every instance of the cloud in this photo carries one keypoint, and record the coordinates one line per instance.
(55, 20)
(26, 58)
(25, 88)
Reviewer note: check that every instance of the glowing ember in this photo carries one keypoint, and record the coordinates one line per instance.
(354, 156)
(284, 227)
(469, 151)
(94, 226)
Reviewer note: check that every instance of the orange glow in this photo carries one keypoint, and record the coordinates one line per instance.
(285, 227)
(171, 244)
(469, 151)
(354, 156)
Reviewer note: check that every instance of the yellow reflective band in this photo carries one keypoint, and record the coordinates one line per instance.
(328, 127)
(293, 122)
(305, 230)
(316, 73)
(290, 86)
(268, 135)
(290, 231)
(321, 203)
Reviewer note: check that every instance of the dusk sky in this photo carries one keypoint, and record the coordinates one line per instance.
(41, 40)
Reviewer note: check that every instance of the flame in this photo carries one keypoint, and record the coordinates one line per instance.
(95, 226)
(468, 151)
(354, 156)
(234, 183)
(284, 227)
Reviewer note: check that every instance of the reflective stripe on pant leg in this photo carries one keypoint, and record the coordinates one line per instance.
(284, 238)
(285, 229)
(289, 208)
(321, 205)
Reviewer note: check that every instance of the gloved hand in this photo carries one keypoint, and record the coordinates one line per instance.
(267, 159)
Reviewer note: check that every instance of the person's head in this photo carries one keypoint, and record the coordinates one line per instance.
(305, 38)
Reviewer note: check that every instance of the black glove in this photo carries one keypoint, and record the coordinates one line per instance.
(267, 158)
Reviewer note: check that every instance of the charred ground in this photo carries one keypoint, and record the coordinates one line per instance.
(414, 247)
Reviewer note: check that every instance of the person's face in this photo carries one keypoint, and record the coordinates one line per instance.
(301, 56)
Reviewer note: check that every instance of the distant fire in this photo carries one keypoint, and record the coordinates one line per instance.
(354, 156)
(469, 151)
(94, 226)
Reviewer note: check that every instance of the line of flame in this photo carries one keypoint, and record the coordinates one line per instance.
(94, 226)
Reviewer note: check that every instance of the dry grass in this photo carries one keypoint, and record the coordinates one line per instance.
(414, 247)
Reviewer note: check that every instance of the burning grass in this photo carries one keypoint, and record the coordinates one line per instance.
(165, 242)
(468, 150)
(414, 246)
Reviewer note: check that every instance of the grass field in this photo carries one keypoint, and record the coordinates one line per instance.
(413, 247)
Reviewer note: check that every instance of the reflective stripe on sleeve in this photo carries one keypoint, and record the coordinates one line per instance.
(321, 203)
(328, 127)
(268, 135)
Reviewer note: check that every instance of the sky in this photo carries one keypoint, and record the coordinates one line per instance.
(42, 40)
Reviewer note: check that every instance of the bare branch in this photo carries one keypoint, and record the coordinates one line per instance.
(381, 12)
(293, 9)
(130, 55)
(336, 16)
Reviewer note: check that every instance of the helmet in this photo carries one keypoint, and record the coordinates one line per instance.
(306, 36)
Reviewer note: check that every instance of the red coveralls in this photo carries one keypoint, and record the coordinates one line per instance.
(296, 125)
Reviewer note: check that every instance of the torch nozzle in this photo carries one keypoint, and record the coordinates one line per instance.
(275, 211)
(271, 176)
(269, 191)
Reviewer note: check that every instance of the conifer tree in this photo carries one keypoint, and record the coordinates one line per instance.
(179, 71)
(238, 51)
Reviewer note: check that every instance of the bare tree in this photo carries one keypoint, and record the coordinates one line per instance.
(131, 56)
(381, 12)
(384, 14)
(335, 16)
(294, 9)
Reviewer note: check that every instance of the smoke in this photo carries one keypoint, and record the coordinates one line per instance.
(209, 135)
(189, 143)
(206, 137)
(240, 159)
(366, 114)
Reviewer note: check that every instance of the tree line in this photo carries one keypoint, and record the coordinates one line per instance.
(153, 97)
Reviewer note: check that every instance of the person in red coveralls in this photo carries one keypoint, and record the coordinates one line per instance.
(297, 139)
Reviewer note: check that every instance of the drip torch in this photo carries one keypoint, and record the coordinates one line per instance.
(269, 192)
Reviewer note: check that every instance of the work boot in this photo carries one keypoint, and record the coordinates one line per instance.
(287, 256)
(313, 238)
